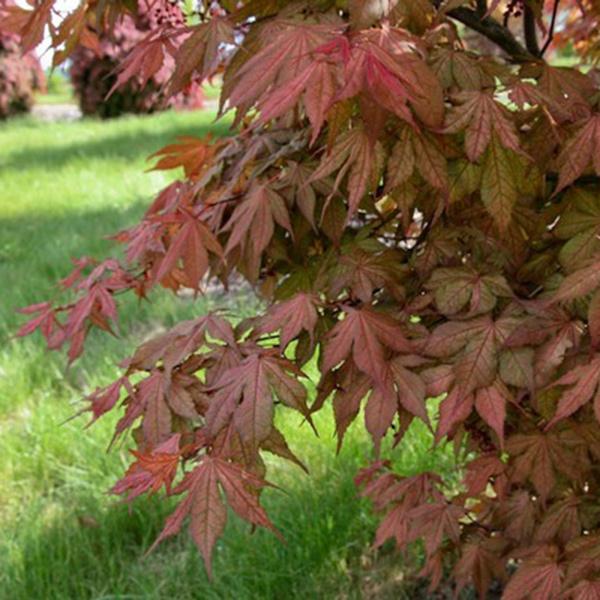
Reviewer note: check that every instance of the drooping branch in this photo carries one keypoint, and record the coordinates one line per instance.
(530, 32)
(494, 31)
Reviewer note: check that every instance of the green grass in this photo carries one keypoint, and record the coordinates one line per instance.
(63, 187)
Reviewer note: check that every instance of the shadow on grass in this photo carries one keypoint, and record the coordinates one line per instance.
(132, 143)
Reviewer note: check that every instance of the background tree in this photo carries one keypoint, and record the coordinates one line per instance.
(93, 69)
(422, 220)
(20, 76)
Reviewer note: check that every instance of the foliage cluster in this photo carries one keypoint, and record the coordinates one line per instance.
(95, 62)
(20, 76)
(422, 220)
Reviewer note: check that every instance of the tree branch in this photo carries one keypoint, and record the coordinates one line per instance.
(529, 31)
(494, 31)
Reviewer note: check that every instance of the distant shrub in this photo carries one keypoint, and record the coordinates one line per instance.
(20, 76)
(93, 73)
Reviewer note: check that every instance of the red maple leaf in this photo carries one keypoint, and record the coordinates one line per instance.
(538, 578)
(581, 150)
(190, 243)
(205, 506)
(292, 316)
(365, 334)
(151, 470)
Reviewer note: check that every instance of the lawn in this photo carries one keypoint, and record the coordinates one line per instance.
(63, 189)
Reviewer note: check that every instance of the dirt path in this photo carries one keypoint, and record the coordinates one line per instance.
(56, 112)
(70, 112)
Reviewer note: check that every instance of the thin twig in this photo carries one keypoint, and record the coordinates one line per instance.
(552, 25)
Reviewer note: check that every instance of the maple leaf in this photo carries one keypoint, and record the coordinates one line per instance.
(410, 389)
(594, 320)
(276, 444)
(379, 413)
(190, 244)
(475, 343)
(286, 56)
(490, 403)
(143, 62)
(400, 390)
(568, 90)
(398, 496)
(316, 84)
(45, 321)
(296, 187)
(246, 393)
(205, 506)
(580, 283)
(150, 400)
(455, 288)
(354, 153)
(363, 273)
(291, 317)
(479, 472)
(454, 410)
(482, 117)
(190, 152)
(583, 556)
(346, 402)
(561, 521)
(102, 400)
(584, 380)
(538, 578)
(586, 590)
(383, 64)
(151, 470)
(479, 564)
(156, 398)
(553, 352)
(460, 68)
(252, 223)
(499, 182)
(199, 55)
(434, 521)
(28, 24)
(517, 516)
(581, 149)
(579, 226)
(364, 333)
(72, 31)
(420, 150)
(538, 457)
(180, 342)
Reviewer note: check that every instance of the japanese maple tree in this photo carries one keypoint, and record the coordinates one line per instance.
(414, 190)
